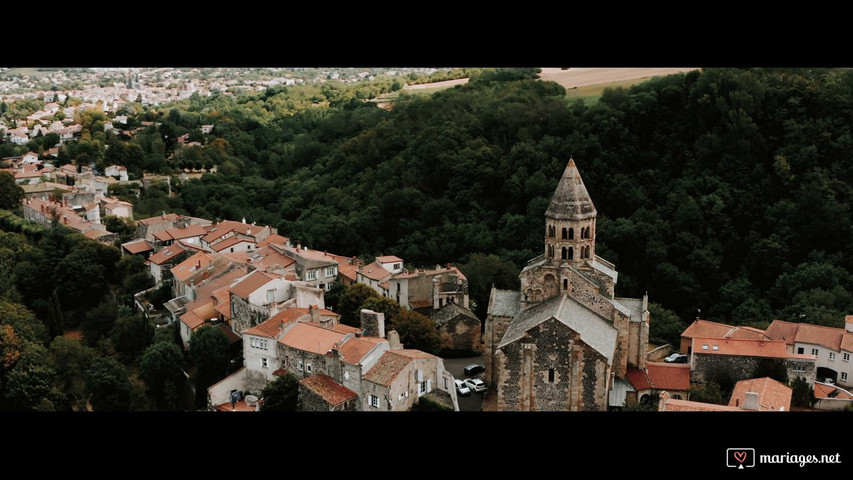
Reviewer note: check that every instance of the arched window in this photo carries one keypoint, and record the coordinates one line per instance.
(571, 234)
(564, 252)
(552, 231)
(571, 253)
(587, 252)
(550, 251)
(550, 375)
(565, 284)
(565, 234)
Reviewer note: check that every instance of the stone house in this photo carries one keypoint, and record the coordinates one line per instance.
(190, 234)
(427, 290)
(137, 247)
(319, 269)
(658, 377)
(459, 328)
(734, 360)
(261, 295)
(569, 337)
(706, 329)
(163, 261)
(831, 347)
(401, 377)
(147, 227)
(230, 231)
(321, 393)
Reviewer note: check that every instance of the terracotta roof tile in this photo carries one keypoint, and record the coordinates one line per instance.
(206, 289)
(780, 330)
(192, 320)
(274, 238)
(171, 217)
(348, 271)
(708, 329)
(415, 354)
(847, 342)
(822, 390)
(340, 327)
(790, 332)
(252, 282)
(166, 255)
(224, 227)
(263, 259)
(389, 259)
(229, 242)
(750, 348)
(772, 395)
(673, 405)
(185, 269)
(271, 327)
(328, 389)
(375, 272)
(311, 338)
(223, 301)
(354, 350)
(137, 246)
(669, 376)
(638, 378)
(386, 369)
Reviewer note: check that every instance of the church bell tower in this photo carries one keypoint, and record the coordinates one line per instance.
(570, 221)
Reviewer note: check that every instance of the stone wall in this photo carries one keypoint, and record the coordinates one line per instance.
(495, 329)
(244, 316)
(291, 357)
(461, 334)
(308, 401)
(708, 367)
(551, 369)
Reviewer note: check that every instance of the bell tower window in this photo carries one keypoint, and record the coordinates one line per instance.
(571, 253)
(564, 252)
(571, 234)
(565, 234)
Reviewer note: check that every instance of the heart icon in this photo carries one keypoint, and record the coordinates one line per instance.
(740, 456)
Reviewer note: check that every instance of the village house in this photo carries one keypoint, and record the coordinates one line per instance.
(658, 377)
(147, 227)
(201, 306)
(321, 393)
(460, 330)
(229, 236)
(377, 274)
(832, 347)
(752, 395)
(116, 208)
(137, 247)
(267, 259)
(117, 171)
(568, 337)
(737, 359)
(319, 269)
(256, 297)
(831, 397)
(163, 260)
(43, 212)
(706, 329)
(190, 234)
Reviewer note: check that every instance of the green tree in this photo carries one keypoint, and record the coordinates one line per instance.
(98, 322)
(161, 367)
(22, 320)
(131, 334)
(708, 393)
(484, 271)
(351, 301)
(664, 326)
(417, 331)
(11, 194)
(209, 353)
(70, 358)
(30, 384)
(803, 393)
(108, 385)
(281, 394)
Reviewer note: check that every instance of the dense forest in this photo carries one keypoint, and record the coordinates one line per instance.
(722, 192)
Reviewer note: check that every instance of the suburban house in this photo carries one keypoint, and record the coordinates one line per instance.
(707, 329)
(743, 359)
(832, 347)
(658, 377)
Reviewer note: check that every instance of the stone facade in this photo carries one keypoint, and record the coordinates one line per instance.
(245, 315)
(459, 328)
(566, 357)
(551, 370)
(708, 367)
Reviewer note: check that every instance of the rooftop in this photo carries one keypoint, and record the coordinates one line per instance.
(504, 303)
(772, 395)
(311, 338)
(571, 200)
(166, 255)
(185, 269)
(389, 259)
(375, 272)
(829, 337)
(328, 389)
(747, 348)
(386, 369)
(251, 283)
(708, 329)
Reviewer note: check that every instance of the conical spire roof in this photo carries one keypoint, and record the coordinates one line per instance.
(571, 200)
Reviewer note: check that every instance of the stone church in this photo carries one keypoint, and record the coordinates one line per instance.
(564, 341)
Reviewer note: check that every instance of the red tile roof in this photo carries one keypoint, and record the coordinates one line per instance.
(252, 282)
(669, 376)
(749, 348)
(340, 327)
(223, 228)
(206, 289)
(772, 395)
(271, 327)
(311, 338)
(171, 217)
(166, 255)
(137, 246)
(847, 342)
(348, 271)
(185, 269)
(192, 320)
(673, 405)
(328, 389)
(194, 230)
(639, 379)
(354, 350)
(223, 301)
(389, 259)
(375, 272)
(229, 242)
(274, 238)
(708, 329)
(822, 390)
(386, 369)
(240, 406)
(263, 259)
(415, 354)
(828, 337)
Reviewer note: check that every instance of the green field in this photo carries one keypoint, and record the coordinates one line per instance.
(590, 94)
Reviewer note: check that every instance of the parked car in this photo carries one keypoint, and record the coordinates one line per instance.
(462, 388)
(474, 369)
(475, 384)
(676, 358)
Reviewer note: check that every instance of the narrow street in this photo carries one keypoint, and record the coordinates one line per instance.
(456, 366)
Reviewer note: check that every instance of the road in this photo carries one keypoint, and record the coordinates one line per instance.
(456, 367)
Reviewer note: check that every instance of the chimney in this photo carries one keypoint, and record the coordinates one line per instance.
(394, 340)
(198, 265)
(315, 315)
(373, 323)
(848, 323)
(244, 220)
(750, 402)
(662, 398)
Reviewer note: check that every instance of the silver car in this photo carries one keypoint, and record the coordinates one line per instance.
(475, 384)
